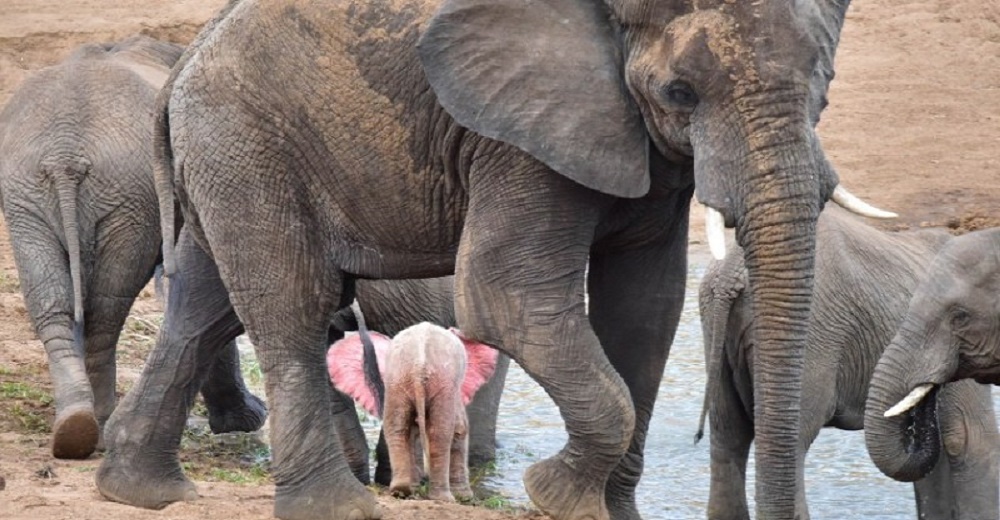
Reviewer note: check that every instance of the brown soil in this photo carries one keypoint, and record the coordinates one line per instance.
(913, 126)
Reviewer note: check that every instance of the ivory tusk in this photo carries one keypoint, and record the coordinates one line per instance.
(853, 204)
(910, 401)
(715, 228)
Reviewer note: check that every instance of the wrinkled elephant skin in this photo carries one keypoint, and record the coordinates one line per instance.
(538, 151)
(77, 194)
(864, 280)
(948, 333)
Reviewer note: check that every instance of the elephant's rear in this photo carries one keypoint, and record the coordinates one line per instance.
(78, 202)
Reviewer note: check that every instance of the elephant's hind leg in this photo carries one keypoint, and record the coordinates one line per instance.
(287, 299)
(143, 435)
(126, 256)
(231, 406)
(44, 275)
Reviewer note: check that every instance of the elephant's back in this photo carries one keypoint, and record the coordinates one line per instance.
(330, 98)
(89, 107)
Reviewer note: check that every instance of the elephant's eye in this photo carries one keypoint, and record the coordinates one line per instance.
(680, 93)
(960, 319)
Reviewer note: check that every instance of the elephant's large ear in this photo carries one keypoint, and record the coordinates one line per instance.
(824, 19)
(482, 361)
(545, 76)
(345, 362)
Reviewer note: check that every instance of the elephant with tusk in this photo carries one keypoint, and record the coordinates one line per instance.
(864, 281)
(950, 331)
(514, 143)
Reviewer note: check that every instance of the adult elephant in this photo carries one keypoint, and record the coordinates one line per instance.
(949, 332)
(513, 143)
(864, 281)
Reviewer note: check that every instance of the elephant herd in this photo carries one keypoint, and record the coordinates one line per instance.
(522, 170)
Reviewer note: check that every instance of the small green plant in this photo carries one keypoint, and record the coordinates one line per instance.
(30, 420)
(25, 392)
(238, 458)
(8, 283)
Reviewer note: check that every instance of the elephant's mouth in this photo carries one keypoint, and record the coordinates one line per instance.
(918, 414)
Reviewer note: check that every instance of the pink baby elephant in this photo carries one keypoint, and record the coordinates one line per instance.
(430, 374)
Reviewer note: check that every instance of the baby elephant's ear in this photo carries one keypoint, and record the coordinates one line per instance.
(482, 361)
(345, 363)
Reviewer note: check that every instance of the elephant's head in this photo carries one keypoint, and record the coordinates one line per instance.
(951, 331)
(606, 93)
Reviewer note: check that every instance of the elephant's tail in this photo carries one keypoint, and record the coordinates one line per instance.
(425, 441)
(719, 293)
(66, 175)
(373, 377)
(163, 176)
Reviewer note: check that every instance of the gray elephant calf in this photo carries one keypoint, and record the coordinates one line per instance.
(864, 280)
(950, 331)
(77, 195)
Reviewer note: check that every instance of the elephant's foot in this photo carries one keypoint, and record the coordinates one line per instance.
(249, 417)
(623, 510)
(401, 488)
(440, 493)
(462, 491)
(143, 481)
(559, 491)
(344, 500)
(75, 434)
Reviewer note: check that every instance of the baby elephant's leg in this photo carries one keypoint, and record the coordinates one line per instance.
(441, 427)
(459, 471)
(398, 419)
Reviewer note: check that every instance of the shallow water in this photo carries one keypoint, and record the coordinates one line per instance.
(841, 482)
(675, 481)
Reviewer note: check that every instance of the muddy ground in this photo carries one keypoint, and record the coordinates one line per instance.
(913, 126)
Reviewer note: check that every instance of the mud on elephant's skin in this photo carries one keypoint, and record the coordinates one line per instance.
(419, 382)
(76, 180)
(950, 331)
(864, 280)
(514, 144)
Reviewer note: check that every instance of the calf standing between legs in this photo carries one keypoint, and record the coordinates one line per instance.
(419, 382)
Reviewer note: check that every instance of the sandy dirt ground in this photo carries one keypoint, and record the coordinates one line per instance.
(913, 126)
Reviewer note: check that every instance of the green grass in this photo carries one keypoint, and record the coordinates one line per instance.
(24, 392)
(8, 283)
(238, 458)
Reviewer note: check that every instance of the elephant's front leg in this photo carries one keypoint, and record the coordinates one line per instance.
(636, 287)
(144, 433)
(520, 287)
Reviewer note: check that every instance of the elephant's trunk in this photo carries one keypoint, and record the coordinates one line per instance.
(778, 233)
(905, 447)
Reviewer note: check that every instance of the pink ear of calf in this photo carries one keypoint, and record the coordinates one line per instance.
(482, 361)
(345, 363)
